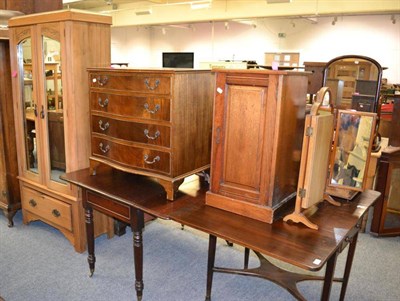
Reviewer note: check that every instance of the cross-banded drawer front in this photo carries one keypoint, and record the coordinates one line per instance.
(143, 83)
(47, 208)
(131, 131)
(135, 106)
(109, 207)
(131, 156)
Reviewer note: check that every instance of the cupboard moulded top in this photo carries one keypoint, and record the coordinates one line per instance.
(59, 15)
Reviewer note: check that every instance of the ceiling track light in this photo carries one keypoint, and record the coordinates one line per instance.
(334, 21)
(393, 19)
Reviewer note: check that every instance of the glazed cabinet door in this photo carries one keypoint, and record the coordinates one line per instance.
(52, 107)
(39, 103)
(26, 102)
(238, 155)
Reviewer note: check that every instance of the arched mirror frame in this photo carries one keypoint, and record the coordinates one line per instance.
(357, 57)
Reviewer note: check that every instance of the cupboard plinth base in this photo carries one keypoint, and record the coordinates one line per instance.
(258, 212)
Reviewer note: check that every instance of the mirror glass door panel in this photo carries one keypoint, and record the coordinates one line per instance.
(29, 103)
(54, 107)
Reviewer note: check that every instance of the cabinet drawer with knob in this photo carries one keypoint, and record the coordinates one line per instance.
(152, 134)
(46, 207)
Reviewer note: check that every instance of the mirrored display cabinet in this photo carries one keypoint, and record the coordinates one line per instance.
(50, 53)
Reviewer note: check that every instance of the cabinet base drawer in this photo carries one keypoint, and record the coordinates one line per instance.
(46, 207)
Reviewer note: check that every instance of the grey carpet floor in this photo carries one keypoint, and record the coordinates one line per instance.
(37, 263)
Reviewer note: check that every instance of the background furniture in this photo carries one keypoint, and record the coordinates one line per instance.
(9, 188)
(152, 122)
(257, 138)
(74, 40)
(386, 218)
(31, 6)
(316, 76)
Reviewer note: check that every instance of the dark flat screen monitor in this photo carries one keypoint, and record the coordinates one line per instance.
(177, 59)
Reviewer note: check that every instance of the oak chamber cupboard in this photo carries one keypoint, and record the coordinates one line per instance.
(153, 122)
(50, 53)
(257, 138)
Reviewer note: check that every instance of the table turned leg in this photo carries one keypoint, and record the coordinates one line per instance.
(90, 238)
(212, 243)
(137, 224)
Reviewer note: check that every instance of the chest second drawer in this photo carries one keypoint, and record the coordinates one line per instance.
(132, 131)
(134, 106)
(131, 156)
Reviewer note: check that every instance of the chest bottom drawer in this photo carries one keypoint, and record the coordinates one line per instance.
(131, 156)
(47, 208)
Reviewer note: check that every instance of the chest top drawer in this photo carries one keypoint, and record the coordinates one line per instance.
(151, 83)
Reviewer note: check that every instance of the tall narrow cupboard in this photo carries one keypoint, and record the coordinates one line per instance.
(50, 53)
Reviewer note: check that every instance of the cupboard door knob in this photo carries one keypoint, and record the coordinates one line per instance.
(156, 108)
(103, 127)
(56, 213)
(156, 134)
(103, 104)
(147, 83)
(32, 202)
(35, 110)
(103, 148)
(42, 113)
(156, 159)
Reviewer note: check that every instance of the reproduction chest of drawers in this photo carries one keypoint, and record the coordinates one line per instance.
(155, 123)
(257, 138)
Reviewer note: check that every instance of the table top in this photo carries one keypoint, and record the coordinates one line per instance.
(292, 243)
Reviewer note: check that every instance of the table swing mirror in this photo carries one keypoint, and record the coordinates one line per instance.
(345, 160)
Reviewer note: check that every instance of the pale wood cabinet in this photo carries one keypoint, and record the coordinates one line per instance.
(50, 53)
(9, 189)
(155, 123)
(257, 139)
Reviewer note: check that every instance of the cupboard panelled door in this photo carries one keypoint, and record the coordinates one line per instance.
(240, 143)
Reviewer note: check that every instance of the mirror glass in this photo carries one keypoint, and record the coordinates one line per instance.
(351, 149)
(54, 103)
(354, 82)
(29, 103)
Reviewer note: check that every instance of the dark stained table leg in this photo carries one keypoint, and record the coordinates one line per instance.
(210, 265)
(246, 257)
(329, 272)
(137, 224)
(349, 262)
(90, 238)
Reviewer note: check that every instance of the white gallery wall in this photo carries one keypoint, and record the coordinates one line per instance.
(316, 39)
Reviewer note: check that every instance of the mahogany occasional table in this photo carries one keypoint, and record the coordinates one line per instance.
(127, 197)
